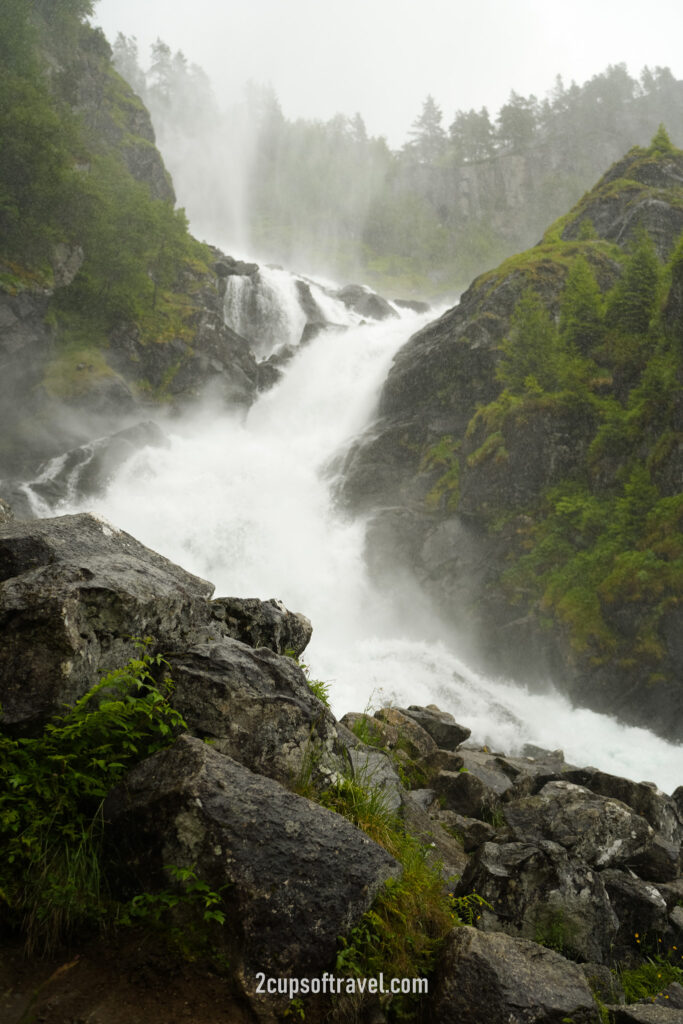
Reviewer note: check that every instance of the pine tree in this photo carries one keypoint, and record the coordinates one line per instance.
(532, 357)
(661, 143)
(632, 302)
(518, 122)
(581, 319)
(427, 136)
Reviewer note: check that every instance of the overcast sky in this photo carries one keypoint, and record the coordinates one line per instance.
(382, 57)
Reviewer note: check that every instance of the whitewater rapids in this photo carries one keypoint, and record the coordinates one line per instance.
(246, 502)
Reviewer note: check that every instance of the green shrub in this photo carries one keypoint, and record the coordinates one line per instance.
(648, 979)
(52, 787)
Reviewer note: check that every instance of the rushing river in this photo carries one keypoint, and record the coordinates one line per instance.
(246, 502)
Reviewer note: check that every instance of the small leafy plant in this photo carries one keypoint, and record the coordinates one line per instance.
(188, 932)
(318, 687)
(52, 787)
(649, 979)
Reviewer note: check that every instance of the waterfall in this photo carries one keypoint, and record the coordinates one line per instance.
(247, 503)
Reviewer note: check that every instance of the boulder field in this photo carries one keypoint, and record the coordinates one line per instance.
(577, 872)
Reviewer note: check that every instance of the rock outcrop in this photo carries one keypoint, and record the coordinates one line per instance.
(459, 481)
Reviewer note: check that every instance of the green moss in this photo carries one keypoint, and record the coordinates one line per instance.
(493, 449)
(75, 370)
(443, 455)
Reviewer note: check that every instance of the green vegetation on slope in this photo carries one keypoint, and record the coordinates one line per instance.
(67, 123)
(600, 549)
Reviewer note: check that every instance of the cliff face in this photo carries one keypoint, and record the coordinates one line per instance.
(529, 442)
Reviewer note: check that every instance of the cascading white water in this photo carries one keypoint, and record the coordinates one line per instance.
(246, 504)
(265, 309)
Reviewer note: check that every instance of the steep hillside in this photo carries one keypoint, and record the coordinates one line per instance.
(107, 304)
(528, 457)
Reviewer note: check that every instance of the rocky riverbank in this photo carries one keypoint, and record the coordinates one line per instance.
(577, 872)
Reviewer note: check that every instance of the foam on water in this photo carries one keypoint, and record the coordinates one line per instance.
(246, 503)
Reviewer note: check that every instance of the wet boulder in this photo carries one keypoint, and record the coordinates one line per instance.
(641, 910)
(491, 769)
(660, 810)
(538, 892)
(371, 730)
(375, 771)
(366, 302)
(444, 848)
(599, 830)
(466, 794)
(472, 832)
(75, 592)
(446, 761)
(263, 624)
(493, 978)
(440, 725)
(411, 736)
(294, 876)
(256, 707)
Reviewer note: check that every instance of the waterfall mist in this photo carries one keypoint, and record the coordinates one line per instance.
(296, 193)
(246, 502)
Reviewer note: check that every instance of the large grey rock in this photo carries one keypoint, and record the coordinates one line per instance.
(599, 830)
(465, 793)
(641, 910)
(537, 892)
(492, 769)
(494, 979)
(74, 593)
(263, 624)
(530, 771)
(660, 810)
(374, 770)
(645, 1014)
(411, 737)
(445, 761)
(297, 875)
(370, 729)
(472, 831)
(440, 725)
(444, 849)
(256, 707)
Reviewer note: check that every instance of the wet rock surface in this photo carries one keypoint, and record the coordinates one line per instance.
(497, 979)
(75, 593)
(298, 875)
(255, 706)
(263, 624)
